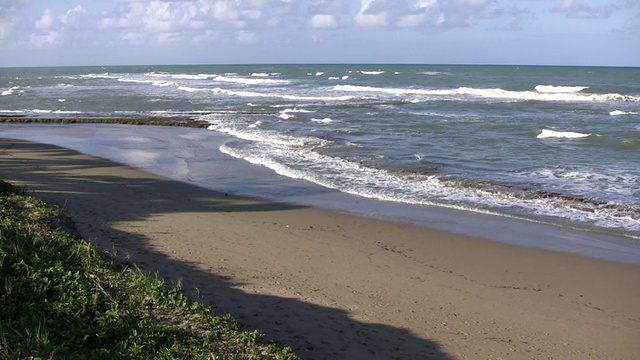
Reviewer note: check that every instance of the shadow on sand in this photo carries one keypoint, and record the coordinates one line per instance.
(315, 332)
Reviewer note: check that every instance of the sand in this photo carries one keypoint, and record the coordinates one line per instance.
(334, 286)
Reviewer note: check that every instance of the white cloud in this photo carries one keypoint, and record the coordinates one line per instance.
(73, 16)
(153, 19)
(374, 13)
(52, 30)
(49, 38)
(410, 21)
(208, 24)
(10, 16)
(426, 14)
(48, 21)
(582, 10)
(247, 37)
(328, 14)
(323, 21)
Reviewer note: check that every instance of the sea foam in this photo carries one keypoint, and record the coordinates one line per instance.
(182, 76)
(99, 76)
(264, 95)
(249, 81)
(495, 93)
(559, 89)
(11, 91)
(620, 112)
(560, 134)
(323, 121)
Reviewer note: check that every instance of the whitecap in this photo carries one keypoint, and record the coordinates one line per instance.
(371, 72)
(620, 112)
(294, 110)
(319, 73)
(67, 112)
(265, 95)
(191, 89)
(10, 91)
(248, 81)
(163, 83)
(559, 89)
(182, 76)
(99, 76)
(495, 93)
(62, 100)
(560, 134)
(261, 136)
(323, 121)
(285, 116)
(259, 74)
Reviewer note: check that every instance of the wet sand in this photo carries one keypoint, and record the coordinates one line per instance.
(335, 286)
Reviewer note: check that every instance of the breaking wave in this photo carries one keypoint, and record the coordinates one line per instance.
(560, 134)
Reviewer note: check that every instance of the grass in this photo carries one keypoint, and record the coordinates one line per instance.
(60, 298)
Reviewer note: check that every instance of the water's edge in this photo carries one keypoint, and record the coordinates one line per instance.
(193, 156)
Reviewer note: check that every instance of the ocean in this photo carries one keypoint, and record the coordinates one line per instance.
(543, 144)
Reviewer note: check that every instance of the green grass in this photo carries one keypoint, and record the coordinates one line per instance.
(60, 299)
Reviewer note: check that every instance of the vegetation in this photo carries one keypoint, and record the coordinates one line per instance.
(60, 298)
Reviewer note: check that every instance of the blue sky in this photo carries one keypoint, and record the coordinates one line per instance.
(120, 32)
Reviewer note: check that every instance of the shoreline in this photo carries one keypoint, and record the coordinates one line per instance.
(193, 156)
(146, 121)
(339, 286)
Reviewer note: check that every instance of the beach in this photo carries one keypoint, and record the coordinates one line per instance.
(335, 286)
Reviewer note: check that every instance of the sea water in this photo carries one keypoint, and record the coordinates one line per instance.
(557, 145)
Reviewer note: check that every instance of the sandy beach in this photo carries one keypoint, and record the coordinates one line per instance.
(334, 286)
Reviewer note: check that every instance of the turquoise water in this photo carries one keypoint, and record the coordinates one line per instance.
(551, 144)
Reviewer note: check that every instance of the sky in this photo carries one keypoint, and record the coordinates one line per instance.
(161, 32)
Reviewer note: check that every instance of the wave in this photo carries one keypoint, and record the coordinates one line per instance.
(259, 74)
(249, 81)
(559, 89)
(620, 112)
(152, 82)
(10, 91)
(492, 93)
(323, 121)
(372, 72)
(432, 73)
(182, 76)
(296, 110)
(560, 134)
(300, 162)
(265, 95)
(99, 76)
(251, 133)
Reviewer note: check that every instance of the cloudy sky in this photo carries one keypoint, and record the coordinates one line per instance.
(115, 32)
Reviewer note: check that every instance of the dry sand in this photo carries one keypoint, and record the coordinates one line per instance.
(334, 286)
